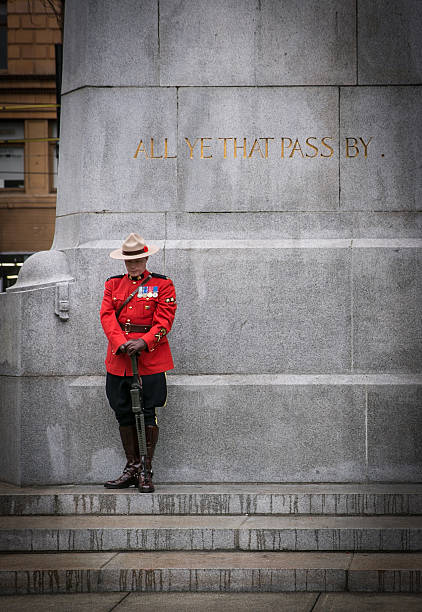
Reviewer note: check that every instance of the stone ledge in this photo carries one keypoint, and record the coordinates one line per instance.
(267, 379)
(215, 499)
(210, 533)
(218, 572)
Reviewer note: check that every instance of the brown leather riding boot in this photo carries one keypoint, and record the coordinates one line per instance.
(145, 473)
(129, 476)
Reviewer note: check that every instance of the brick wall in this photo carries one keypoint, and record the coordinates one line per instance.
(32, 31)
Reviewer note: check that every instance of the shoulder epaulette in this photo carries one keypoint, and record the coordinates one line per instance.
(158, 275)
(118, 276)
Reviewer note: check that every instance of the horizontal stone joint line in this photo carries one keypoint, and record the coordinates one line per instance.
(251, 86)
(292, 243)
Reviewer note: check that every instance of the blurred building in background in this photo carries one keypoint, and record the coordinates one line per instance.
(30, 74)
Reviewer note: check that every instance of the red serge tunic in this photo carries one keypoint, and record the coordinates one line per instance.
(155, 307)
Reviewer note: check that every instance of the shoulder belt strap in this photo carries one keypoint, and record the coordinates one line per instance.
(131, 296)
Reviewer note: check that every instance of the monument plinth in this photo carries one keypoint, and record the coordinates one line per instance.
(275, 161)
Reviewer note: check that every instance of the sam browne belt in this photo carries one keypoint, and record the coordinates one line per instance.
(129, 327)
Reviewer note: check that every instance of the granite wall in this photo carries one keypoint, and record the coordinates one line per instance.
(284, 187)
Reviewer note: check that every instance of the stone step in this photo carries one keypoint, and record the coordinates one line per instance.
(329, 499)
(215, 572)
(154, 533)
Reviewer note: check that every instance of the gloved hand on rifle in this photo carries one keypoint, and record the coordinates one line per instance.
(131, 347)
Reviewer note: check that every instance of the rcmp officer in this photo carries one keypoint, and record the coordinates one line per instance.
(139, 325)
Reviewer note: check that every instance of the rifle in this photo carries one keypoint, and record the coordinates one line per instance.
(138, 409)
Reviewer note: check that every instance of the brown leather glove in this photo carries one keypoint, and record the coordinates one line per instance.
(135, 346)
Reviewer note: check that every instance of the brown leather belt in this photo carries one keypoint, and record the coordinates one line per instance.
(129, 327)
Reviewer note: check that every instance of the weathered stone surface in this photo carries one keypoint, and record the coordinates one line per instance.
(389, 37)
(207, 533)
(10, 333)
(257, 43)
(257, 183)
(310, 44)
(72, 231)
(41, 328)
(210, 32)
(215, 602)
(247, 498)
(394, 420)
(296, 225)
(261, 310)
(389, 177)
(339, 533)
(386, 573)
(214, 572)
(52, 561)
(104, 176)
(387, 322)
(367, 602)
(75, 602)
(10, 426)
(54, 430)
(50, 425)
(231, 426)
(160, 602)
(295, 449)
(386, 561)
(231, 560)
(123, 51)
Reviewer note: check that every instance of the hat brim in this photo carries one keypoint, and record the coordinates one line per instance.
(117, 254)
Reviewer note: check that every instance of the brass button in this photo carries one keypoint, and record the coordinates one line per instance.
(128, 320)
(131, 307)
(133, 282)
(114, 298)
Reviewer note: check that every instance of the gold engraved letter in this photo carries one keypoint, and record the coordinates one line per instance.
(225, 145)
(166, 155)
(282, 145)
(205, 146)
(266, 145)
(327, 145)
(141, 149)
(296, 147)
(352, 146)
(365, 146)
(191, 147)
(152, 151)
(312, 146)
(258, 148)
(235, 147)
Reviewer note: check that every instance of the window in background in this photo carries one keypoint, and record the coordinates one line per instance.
(12, 174)
(10, 265)
(53, 154)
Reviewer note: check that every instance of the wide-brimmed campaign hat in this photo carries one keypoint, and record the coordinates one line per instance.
(134, 247)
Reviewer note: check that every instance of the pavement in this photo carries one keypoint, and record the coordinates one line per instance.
(213, 602)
